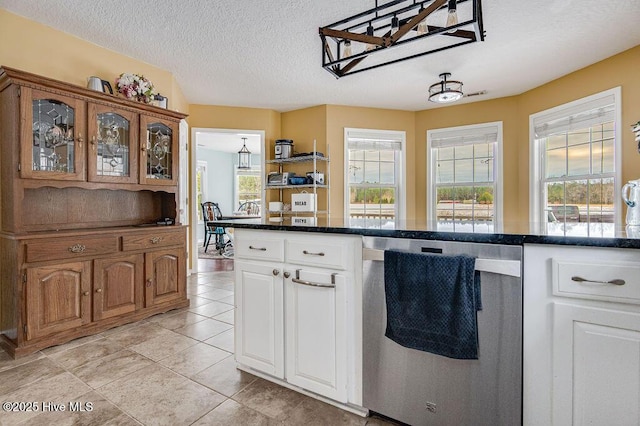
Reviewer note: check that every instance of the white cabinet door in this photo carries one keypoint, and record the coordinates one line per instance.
(596, 366)
(259, 322)
(316, 344)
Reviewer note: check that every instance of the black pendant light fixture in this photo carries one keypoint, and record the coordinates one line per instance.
(445, 91)
(398, 30)
(244, 156)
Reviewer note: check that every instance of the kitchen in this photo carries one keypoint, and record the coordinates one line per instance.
(326, 123)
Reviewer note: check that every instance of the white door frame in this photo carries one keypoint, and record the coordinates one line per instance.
(194, 209)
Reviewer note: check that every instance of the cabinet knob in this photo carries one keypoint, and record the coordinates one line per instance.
(98, 290)
(149, 282)
(287, 274)
(276, 272)
(93, 142)
(80, 139)
(156, 240)
(86, 293)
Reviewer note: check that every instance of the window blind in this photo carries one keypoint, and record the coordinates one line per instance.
(458, 137)
(584, 115)
(373, 141)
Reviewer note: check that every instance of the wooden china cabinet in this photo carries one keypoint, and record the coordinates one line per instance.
(85, 177)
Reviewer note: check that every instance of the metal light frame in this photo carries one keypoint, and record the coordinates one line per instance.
(364, 26)
(244, 156)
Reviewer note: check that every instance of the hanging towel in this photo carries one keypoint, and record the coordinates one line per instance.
(432, 302)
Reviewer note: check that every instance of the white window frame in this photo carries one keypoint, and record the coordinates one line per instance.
(201, 165)
(497, 171)
(236, 193)
(537, 217)
(400, 171)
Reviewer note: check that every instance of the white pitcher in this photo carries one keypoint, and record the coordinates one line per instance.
(632, 200)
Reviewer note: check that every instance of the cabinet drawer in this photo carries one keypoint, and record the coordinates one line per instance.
(70, 248)
(260, 249)
(597, 280)
(324, 254)
(153, 240)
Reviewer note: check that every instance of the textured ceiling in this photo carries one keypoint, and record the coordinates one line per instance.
(268, 54)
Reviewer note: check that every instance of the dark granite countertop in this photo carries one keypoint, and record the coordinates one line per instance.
(623, 239)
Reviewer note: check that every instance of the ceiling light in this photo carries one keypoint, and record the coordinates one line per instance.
(452, 16)
(347, 51)
(445, 91)
(244, 156)
(422, 27)
(397, 31)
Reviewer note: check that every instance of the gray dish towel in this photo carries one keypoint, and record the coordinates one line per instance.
(432, 302)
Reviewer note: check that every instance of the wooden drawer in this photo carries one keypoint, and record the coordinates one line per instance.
(153, 240)
(271, 249)
(70, 247)
(610, 281)
(331, 253)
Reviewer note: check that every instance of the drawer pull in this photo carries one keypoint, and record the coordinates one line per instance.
(77, 248)
(614, 282)
(155, 240)
(297, 280)
(257, 248)
(312, 254)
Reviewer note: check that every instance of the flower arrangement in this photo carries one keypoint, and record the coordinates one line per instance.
(134, 86)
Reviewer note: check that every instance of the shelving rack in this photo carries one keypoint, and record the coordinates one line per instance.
(315, 159)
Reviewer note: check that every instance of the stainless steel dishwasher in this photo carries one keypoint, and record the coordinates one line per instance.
(420, 388)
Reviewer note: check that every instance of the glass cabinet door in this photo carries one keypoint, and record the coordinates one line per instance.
(159, 147)
(113, 155)
(52, 140)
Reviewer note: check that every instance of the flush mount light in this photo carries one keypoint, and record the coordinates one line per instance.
(445, 91)
(244, 156)
(397, 31)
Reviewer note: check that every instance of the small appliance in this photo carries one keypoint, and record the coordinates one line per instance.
(278, 178)
(284, 149)
(95, 83)
(632, 200)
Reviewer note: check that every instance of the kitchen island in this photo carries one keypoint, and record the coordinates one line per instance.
(576, 316)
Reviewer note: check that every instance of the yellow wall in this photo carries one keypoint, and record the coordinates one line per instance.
(79, 59)
(30, 46)
(220, 117)
(339, 117)
(503, 109)
(620, 70)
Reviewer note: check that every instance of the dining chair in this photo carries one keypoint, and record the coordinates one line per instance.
(251, 207)
(210, 212)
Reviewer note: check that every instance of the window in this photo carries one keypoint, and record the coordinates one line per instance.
(201, 186)
(374, 197)
(575, 170)
(464, 190)
(248, 186)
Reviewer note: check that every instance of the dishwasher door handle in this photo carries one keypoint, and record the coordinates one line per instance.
(297, 280)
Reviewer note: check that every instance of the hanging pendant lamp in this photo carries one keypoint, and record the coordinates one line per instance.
(244, 156)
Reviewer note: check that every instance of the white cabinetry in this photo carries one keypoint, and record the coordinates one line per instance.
(298, 316)
(260, 324)
(316, 332)
(581, 336)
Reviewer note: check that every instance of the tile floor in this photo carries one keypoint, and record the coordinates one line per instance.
(175, 368)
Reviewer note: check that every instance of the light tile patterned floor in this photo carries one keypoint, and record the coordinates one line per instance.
(175, 368)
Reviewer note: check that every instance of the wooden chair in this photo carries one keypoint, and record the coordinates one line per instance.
(251, 207)
(210, 212)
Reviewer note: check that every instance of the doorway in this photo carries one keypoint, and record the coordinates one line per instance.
(218, 178)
